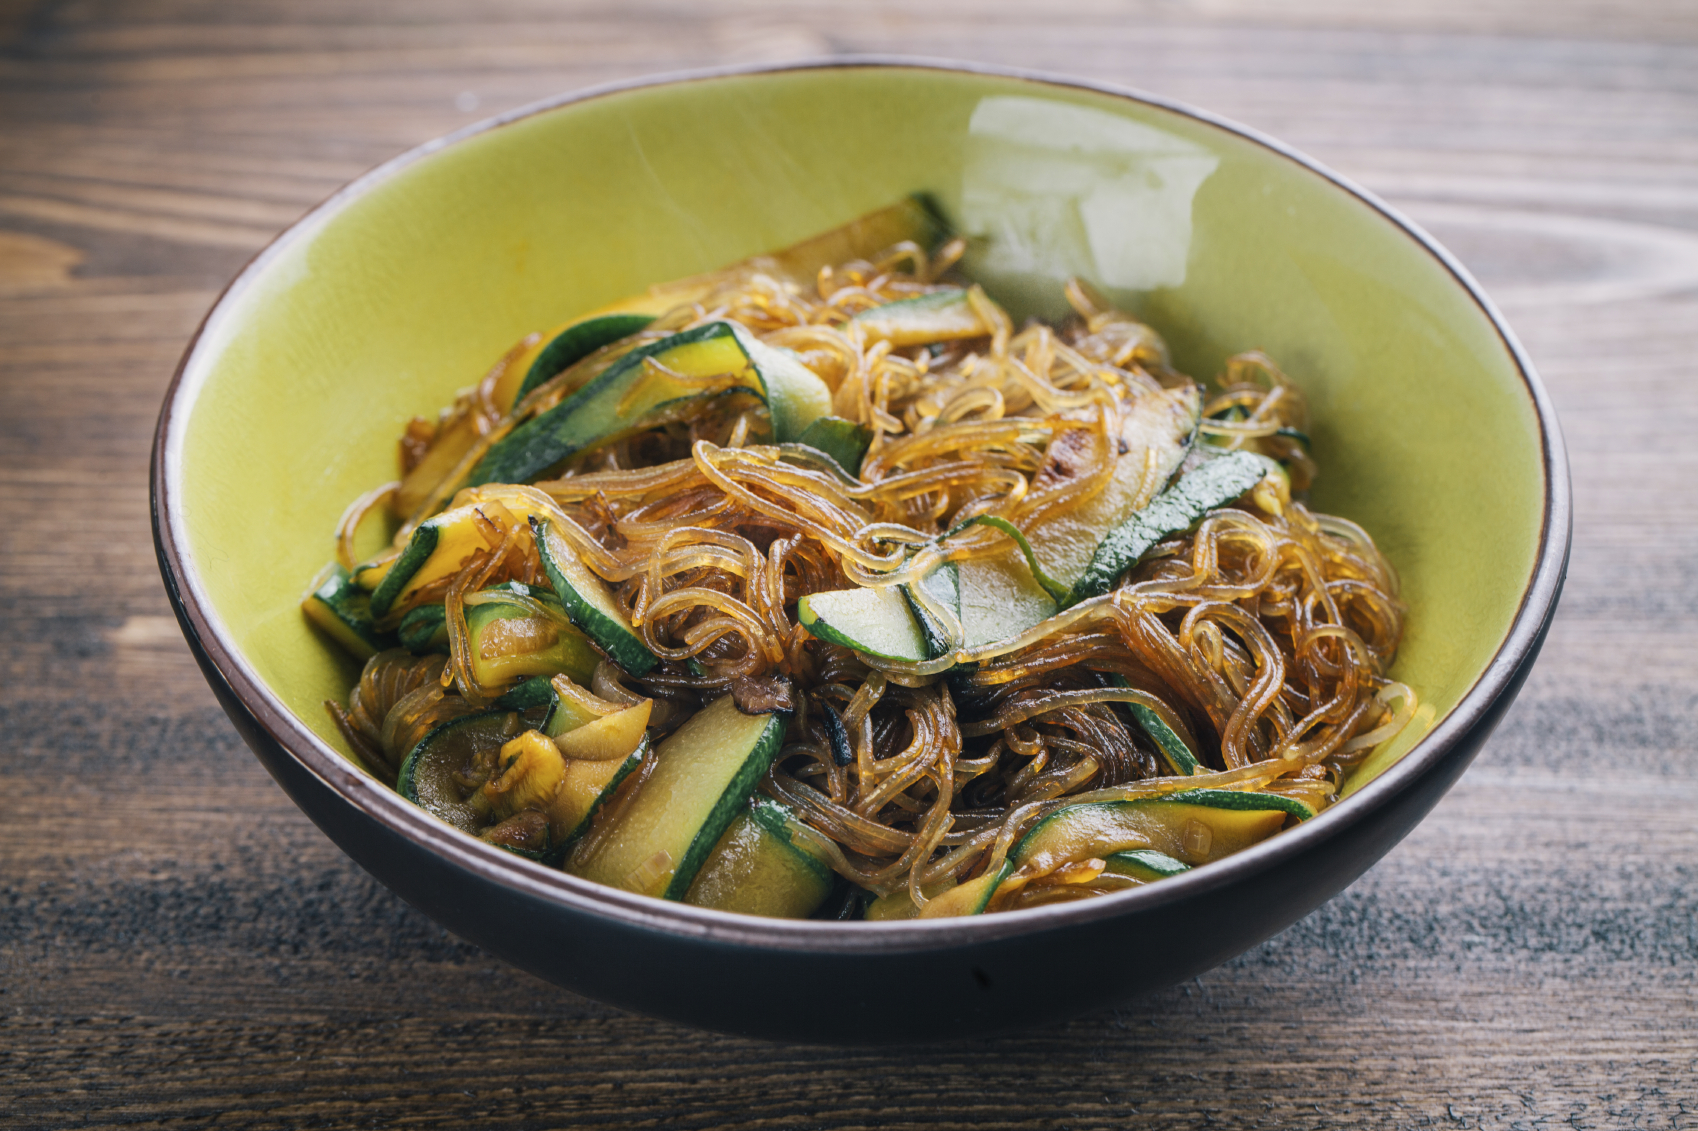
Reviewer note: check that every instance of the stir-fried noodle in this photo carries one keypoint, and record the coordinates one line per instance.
(1259, 638)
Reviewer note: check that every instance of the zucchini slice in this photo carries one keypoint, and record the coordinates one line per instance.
(758, 869)
(343, 610)
(508, 643)
(1145, 864)
(1193, 827)
(703, 776)
(585, 787)
(424, 629)
(427, 775)
(942, 585)
(607, 739)
(573, 342)
(528, 696)
(589, 601)
(1210, 485)
(878, 622)
(437, 549)
(913, 219)
(970, 898)
(1172, 747)
(999, 598)
(940, 316)
(843, 440)
(709, 360)
(1156, 432)
(996, 598)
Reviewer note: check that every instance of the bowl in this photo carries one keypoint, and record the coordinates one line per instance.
(1432, 431)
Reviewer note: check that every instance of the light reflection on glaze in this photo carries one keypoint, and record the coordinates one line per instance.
(1051, 190)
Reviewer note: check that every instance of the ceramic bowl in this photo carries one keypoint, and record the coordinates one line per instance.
(1431, 430)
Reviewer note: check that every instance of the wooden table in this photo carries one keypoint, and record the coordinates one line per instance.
(180, 947)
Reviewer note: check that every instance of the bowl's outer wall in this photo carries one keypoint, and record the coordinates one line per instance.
(962, 991)
(386, 301)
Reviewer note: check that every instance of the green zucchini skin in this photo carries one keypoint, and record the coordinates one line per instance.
(943, 585)
(843, 440)
(703, 776)
(1242, 799)
(343, 610)
(556, 854)
(1110, 813)
(1173, 747)
(423, 779)
(532, 693)
(942, 315)
(418, 550)
(571, 654)
(731, 802)
(589, 603)
(596, 414)
(424, 629)
(757, 868)
(586, 418)
(577, 342)
(1144, 864)
(1209, 486)
(774, 817)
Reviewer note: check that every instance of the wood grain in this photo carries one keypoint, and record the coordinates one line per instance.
(180, 948)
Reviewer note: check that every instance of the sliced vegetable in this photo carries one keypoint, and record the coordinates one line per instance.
(944, 901)
(424, 629)
(703, 776)
(427, 777)
(588, 601)
(609, 738)
(996, 598)
(571, 706)
(942, 585)
(1210, 485)
(1194, 827)
(584, 789)
(999, 598)
(343, 610)
(758, 869)
(875, 621)
(1171, 745)
(508, 643)
(527, 696)
(1145, 864)
(570, 344)
(969, 898)
(913, 219)
(943, 315)
(1155, 433)
(843, 440)
(439, 547)
(634, 392)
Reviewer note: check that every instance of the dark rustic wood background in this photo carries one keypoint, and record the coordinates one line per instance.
(179, 947)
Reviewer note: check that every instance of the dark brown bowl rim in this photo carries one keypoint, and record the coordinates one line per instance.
(385, 806)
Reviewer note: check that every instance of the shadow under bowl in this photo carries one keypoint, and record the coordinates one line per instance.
(1432, 432)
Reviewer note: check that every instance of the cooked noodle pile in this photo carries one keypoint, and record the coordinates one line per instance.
(1261, 637)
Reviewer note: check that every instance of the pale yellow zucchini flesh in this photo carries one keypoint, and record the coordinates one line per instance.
(703, 775)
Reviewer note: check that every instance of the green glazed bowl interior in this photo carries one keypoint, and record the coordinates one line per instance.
(408, 285)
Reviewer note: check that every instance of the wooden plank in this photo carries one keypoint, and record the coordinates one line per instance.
(179, 946)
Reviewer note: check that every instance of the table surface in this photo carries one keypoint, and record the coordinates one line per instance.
(180, 947)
